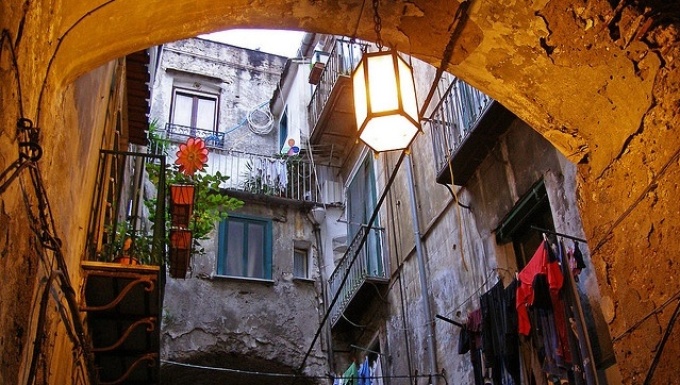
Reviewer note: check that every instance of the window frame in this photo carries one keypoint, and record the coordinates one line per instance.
(298, 250)
(366, 202)
(283, 129)
(223, 246)
(196, 95)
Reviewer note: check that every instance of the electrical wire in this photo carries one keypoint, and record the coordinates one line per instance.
(60, 40)
(372, 219)
(637, 324)
(293, 375)
(5, 36)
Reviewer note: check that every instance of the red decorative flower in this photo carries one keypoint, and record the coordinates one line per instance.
(192, 156)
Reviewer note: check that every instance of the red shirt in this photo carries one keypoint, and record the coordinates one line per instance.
(539, 264)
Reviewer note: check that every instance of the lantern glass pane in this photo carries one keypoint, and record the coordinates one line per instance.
(382, 84)
(387, 133)
(407, 89)
(359, 89)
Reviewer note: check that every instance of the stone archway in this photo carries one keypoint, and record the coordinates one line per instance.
(600, 81)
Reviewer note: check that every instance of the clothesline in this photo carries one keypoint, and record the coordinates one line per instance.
(292, 375)
(558, 234)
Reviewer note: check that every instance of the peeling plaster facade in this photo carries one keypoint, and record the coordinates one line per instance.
(598, 80)
(210, 318)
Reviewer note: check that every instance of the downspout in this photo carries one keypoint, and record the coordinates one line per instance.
(324, 290)
(421, 269)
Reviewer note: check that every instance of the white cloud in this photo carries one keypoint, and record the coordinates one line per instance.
(284, 43)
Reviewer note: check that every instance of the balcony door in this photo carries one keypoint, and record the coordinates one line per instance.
(195, 110)
(361, 201)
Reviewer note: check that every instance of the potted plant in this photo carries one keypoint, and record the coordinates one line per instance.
(197, 203)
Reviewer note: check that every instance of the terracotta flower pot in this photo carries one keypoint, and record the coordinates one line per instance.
(180, 252)
(181, 204)
(126, 260)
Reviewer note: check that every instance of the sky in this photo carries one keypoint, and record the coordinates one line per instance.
(284, 43)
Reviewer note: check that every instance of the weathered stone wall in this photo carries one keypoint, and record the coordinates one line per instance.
(597, 80)
(70, 139)
(462, 261)
(230, 322)
(242, 78)
(235, 323)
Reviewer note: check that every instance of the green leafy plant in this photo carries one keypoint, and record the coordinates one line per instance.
(211, 204)
(124, 241)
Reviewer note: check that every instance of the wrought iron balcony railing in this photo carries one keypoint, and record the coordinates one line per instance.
(454, 117)
(179, 133)
(128, 213)
(344, 57)
(368, 265)
(123, 276)
(288, 177)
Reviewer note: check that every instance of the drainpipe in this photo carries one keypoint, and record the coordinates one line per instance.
(318, 216)
(421, 269)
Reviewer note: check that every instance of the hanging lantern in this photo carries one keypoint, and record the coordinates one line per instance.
(385, 101)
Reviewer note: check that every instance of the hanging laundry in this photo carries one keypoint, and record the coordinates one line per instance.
(376, 372)
(474, 327)
(282, 175)
(495, 330)
(539, 291)
(510, 347)
(351, 375)
(365, 373)
(576, 262)
(544, 263)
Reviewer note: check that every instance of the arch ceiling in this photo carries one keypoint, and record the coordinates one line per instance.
(599, 79)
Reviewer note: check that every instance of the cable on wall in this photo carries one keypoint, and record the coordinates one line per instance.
(260, 120)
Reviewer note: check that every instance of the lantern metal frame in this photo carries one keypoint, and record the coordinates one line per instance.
(399, 68)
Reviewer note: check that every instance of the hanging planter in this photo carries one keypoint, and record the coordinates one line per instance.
(180, 252)
(181, 204)
(191, 157)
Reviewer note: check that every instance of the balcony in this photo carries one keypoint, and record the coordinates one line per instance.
(123, 275)
(287, 179)
(465, 125)
(331, 109)
(273, 177)
(364, 276)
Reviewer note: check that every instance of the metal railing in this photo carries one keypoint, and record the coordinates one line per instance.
(344, 57)
(290, 177)
(454, 117)
(368, 264)
(179, 133)
(128, 213)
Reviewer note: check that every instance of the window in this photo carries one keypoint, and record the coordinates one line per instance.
(195, 110)
(361, 201)
(245, 247)
(300, 263)
(283, 129)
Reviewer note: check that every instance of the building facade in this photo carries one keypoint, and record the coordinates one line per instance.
(252, 293)
(464, 215)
